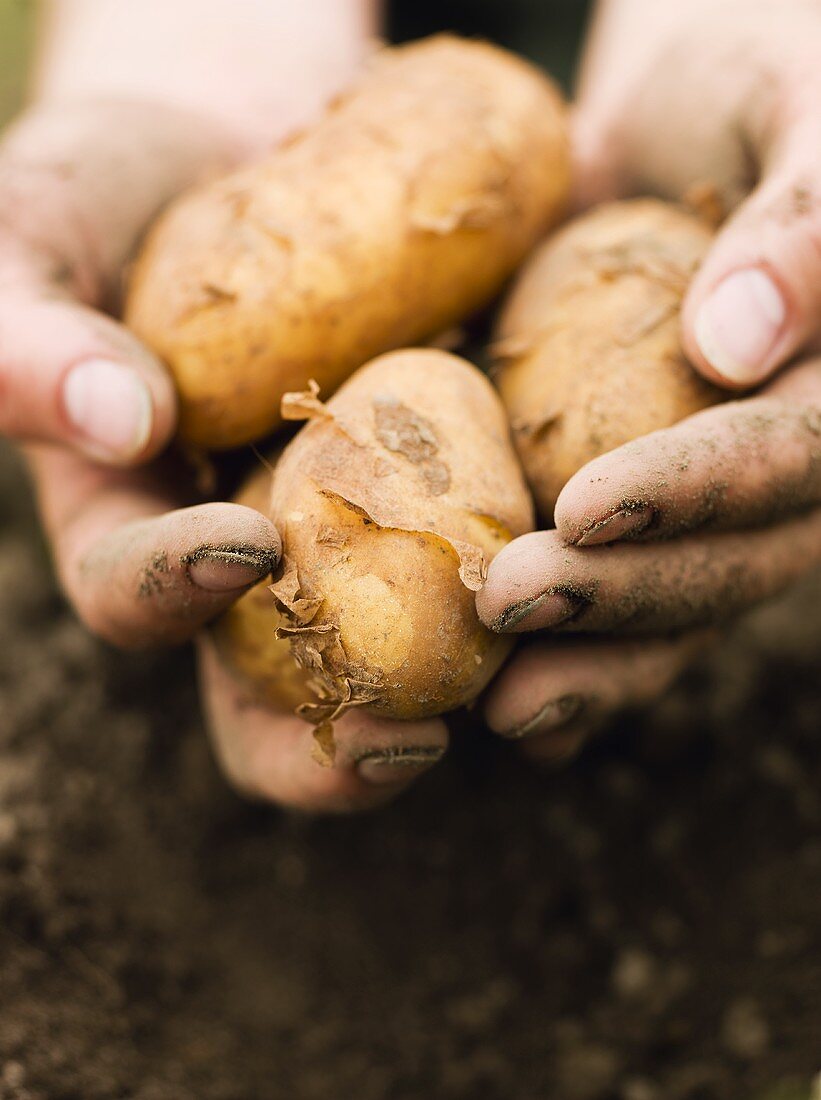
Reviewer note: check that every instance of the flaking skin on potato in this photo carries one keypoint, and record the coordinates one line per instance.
(589, 353)
(401, 211)
(391, 501)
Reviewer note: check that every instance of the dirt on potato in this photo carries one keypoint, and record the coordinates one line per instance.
(588, 352)
(645, 924)
(408, 472)
(308, 263)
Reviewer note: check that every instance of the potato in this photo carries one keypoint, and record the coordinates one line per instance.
(589, 348)
(391, 502)
(404, 209)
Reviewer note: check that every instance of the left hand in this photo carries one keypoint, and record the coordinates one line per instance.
(730, 515)
(673, 96)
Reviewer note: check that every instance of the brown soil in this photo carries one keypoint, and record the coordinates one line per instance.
(644, 925)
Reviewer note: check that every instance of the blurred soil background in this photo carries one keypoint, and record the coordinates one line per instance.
(644, 925)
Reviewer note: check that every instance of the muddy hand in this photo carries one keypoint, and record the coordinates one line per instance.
(68, 373)
(722, 100)
(718, 103)
(270, 755)
(142, 574)
(107, 142)
(78, 184)
(675, 532)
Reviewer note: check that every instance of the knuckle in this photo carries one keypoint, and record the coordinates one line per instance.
(791, 218)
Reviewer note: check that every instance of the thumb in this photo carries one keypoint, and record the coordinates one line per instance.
(78, 185)
(71, 375)
(756, 300)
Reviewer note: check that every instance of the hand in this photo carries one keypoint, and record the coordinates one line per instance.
(723, 96)
(728, 515)
(82, 181)
(661, 539)
(82, 173)
(268, 754)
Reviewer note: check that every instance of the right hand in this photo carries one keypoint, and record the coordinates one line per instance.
(94, 409)
(92, 406)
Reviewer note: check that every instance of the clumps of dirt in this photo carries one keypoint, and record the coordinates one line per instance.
(405, 432)
(645, 925)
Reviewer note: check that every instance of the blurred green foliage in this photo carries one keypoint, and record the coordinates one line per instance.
(16, 24)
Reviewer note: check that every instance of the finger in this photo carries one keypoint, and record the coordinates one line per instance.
(71, 375)
(138, 574)
(270, 756)
(595, 176)
(537, 582)
(553, 694)
(78, 185)
(757, 299)
(737, 465)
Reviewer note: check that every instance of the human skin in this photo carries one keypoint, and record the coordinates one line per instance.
(106, 140)
(661, 540)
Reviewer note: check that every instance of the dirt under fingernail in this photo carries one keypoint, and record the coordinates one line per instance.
(552, 607)
(384, 766)
(626, 522)
(554, 713)
(224, 568)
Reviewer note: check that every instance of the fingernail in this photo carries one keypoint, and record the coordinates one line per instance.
(628, 520)
(397, 765)
(110, 406)
(223, 569)
(737, 327)
(555, 713)
(552, 608)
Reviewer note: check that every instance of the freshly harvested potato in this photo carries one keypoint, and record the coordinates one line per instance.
(589, 350)
(391, 502)
(403, 210)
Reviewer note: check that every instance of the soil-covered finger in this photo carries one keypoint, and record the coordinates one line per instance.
(741, 465)
(139, 570)
(158, 580)
(552, 689)
(73, 376)
(272, 755)
(537, 582)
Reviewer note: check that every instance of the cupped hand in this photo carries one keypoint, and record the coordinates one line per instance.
(269, 754)
(141, 557)
(720, 101)
(79, 182)
(656, 543)
(661, 540)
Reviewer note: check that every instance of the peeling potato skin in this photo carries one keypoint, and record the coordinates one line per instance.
(403, 210)
(588, 341)
(370, 584)
(246, 639)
